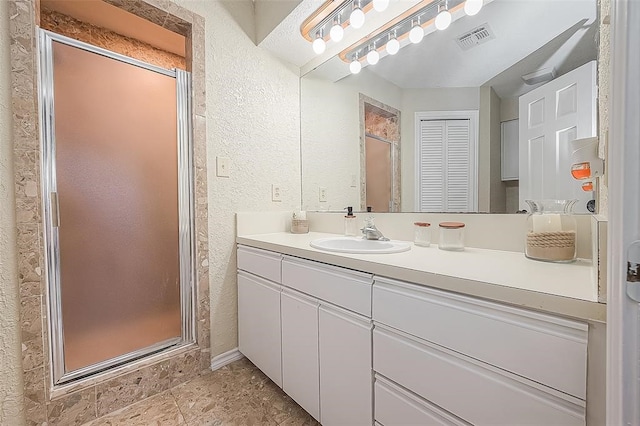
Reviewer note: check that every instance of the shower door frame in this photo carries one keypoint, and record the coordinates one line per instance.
(186, 210)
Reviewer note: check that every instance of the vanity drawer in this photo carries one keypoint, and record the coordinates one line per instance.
(263, 263)
(343, 287)
(544, 348)
(476, 392)
(396, 406)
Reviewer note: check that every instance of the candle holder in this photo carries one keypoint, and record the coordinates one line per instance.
(551, 231)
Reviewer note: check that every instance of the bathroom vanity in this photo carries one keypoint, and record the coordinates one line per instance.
(409, 338)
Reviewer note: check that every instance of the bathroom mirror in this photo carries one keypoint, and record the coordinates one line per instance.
(363, 135)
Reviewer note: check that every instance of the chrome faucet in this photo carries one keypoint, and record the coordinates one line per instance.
(370, 232)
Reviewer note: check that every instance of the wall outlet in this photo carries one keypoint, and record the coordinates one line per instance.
(222, 166)
(276, 194)
(322, 194)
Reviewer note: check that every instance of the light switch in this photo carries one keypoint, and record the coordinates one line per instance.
(222, 166)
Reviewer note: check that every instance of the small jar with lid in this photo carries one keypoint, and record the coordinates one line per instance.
(451, 236)
(422, 234)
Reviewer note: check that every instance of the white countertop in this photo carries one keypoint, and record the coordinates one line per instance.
(566, 289)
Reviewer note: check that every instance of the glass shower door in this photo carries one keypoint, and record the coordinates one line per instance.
(118, 211)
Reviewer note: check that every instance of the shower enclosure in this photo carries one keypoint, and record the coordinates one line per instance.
(118, 214)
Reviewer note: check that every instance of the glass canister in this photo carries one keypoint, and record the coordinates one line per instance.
(451, 236)
(551, 231)
(422, 234)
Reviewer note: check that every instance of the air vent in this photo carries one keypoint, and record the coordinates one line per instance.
(476, 36)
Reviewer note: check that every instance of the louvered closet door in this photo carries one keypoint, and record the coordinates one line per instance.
(445, 166)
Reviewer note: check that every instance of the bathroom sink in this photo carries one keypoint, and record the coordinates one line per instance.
(359, 245)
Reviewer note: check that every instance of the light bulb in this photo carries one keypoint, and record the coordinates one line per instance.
(337, 32)
(356, 19)
(319, 45)
(393, 46)
(380, 5)
(373, 57)
(355, 66)
(472, 7)
(443, 20)
(416, 34)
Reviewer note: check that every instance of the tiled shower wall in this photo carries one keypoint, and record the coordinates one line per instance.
(101, 37)
(80, 403)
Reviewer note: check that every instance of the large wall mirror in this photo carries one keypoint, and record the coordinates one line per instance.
(445, 125)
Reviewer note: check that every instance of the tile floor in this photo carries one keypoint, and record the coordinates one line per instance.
(237, 394)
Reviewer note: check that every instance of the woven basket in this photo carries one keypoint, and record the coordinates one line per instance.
(552, 246)
(299, 226)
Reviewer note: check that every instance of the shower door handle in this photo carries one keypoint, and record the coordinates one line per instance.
(54, 209)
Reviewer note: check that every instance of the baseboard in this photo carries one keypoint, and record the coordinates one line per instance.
(225, 358)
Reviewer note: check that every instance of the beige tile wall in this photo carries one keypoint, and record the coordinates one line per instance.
(79, 403)
(101, 37)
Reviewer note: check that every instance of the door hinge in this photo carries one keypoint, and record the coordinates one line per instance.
(54, 210)
(633, 271)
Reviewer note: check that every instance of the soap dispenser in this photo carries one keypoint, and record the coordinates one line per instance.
(350, 225)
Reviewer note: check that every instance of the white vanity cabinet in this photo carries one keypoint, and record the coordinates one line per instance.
(341, 300)
(300, 364)
(345, 367)
(357, 349)
(485, 363)
(259, 310)
(308, 327)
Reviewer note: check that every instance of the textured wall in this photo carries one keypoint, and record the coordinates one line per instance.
(11, 402)
(252, 118)
(70, 27)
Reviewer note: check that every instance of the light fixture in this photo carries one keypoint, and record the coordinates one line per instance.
(443, 20)
(373, 56)
(355, 66)
(356, 19)
(426, 17)
(318, 44)
(337, 32)
(472, 7)
(393, 45)
(417, 32)
(380, 5)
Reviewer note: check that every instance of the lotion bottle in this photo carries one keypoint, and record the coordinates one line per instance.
(350, 224)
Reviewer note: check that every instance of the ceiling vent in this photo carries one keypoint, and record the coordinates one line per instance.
(476, 36)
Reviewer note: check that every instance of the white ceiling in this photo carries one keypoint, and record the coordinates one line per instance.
(529, 35)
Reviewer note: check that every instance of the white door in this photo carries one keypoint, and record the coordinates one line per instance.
(300, 366)
(346, 383)
(551, 116)
(259, 324)
(446, 165)
(623, 310)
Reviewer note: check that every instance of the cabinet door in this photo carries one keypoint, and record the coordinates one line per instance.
(300, 367)
(345, 368)
(259, 324)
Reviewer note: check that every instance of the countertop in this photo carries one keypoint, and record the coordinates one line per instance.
(565, 289)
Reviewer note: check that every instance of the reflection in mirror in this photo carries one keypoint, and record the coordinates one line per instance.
(479, 127)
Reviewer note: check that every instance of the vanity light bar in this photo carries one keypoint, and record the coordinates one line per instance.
(342, 15)
(421, 16)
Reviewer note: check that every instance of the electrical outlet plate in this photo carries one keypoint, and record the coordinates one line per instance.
(276, 193)
(322, 194)
(222, 166)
